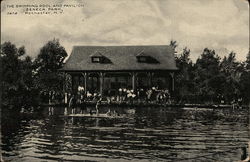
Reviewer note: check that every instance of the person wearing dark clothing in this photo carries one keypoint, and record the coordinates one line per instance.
(98, 105)
(72, 103)
(90, 112)
(83, 107)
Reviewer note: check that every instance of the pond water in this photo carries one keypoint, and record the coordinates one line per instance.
(141, 134)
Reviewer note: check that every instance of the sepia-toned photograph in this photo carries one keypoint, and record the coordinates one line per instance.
(125, 80)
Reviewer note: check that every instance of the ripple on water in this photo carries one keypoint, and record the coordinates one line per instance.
(147, 134)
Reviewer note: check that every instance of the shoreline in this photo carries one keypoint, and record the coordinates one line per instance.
(140, 104)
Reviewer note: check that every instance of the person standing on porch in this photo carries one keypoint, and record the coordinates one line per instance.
(83, 107)
(120, 95)
(98, 103)
(149, 94)
(72, 103)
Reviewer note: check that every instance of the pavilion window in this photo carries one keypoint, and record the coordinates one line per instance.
(142, 59)
(96, 59)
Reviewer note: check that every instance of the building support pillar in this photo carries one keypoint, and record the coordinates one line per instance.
(64, 88)
(150, 79)
(64, 82)
(133, 81)
(172, 81)
(72, 83)
(85, 82)
(77, 83)
(101, 76)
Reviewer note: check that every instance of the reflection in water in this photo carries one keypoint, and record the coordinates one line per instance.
(160, 134)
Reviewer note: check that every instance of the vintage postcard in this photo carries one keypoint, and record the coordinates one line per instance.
(125, 80)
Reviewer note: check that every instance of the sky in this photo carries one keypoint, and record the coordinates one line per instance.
(222, 25)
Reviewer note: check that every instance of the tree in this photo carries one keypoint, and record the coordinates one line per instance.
(184, 76)
(49, 60)
(232, 71)
(17, 77)
(248, 60)
(245, 80)
(207, 79)
(51, 57)
(173, 44)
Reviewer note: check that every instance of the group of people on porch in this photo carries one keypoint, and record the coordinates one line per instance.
(122, 95)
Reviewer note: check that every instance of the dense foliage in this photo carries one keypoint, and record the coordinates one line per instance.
(17, 79)
(24, 80)
(46, 65)
(212, 79)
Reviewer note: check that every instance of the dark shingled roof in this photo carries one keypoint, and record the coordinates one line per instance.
(121, 58)
(141, 54)
(96, 54)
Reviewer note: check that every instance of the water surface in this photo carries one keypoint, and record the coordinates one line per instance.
(142, 134)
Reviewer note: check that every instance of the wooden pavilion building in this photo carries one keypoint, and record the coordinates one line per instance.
(105, 69)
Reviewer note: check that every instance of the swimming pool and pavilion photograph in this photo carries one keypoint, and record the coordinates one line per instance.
(106, 80)
(118, 73)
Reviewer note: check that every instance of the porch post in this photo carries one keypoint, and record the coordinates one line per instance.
(150, 79)
(77, 83)
(64, 88)
(172, 79)
(64, 82)
(133, 81)
(72, 83)
(101, 82)
(85, 82)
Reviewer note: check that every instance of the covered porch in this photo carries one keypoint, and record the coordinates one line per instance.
(108, 83)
